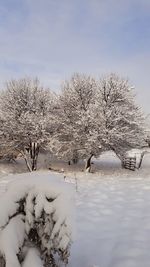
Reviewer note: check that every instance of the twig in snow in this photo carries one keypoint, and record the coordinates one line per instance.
(76, 182)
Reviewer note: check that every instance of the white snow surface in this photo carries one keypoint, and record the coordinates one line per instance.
(11, 239)
(32, 259)
(112, 215)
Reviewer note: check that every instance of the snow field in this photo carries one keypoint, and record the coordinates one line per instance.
(113, 218)
(112, 215)
(113, 223)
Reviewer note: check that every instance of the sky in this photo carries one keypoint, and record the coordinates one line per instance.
(52, 39)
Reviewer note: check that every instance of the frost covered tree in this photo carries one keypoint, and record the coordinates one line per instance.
(86, 118)
(26, 110)
(121, 119)
(76, 136)
(147, 126)
(36, 222)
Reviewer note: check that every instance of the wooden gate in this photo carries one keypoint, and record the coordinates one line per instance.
(129, 163)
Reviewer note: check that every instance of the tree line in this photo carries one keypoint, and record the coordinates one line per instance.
(88, 116)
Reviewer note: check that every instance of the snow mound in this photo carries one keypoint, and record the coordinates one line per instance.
(36, 210)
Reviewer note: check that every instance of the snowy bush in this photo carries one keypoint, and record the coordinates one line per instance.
(36, 222)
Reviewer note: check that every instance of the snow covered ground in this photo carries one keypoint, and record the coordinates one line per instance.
(112, 213)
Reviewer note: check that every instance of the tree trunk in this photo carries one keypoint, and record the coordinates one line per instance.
(88, 164)
(2, 262)
(34, 152)
(75, 157)
(34, 164)
(26, 160)
(141, 159)
(75, 161)
(122, 163)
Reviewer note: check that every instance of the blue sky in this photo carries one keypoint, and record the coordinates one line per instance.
(52, 39)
